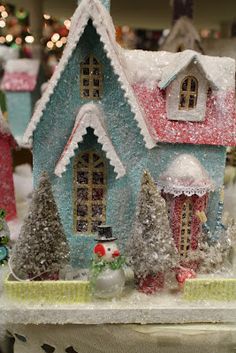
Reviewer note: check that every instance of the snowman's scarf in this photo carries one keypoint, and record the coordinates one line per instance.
(99, 265)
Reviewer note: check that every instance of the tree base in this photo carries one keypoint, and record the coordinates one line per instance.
(151, 283)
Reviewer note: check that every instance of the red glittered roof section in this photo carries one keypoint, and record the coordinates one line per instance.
(218, 127)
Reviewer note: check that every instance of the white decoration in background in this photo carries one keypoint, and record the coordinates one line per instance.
(93, 9)
(185, 175)
(7, 53)
(29, 66)
(90, 115)
(183, 34)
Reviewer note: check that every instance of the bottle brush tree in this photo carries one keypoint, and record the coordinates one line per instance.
(42, 248)
(151, 250)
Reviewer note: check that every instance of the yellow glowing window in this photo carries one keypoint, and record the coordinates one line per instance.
(90, 78)
(90, 192)
(188, 93)
(186, 223)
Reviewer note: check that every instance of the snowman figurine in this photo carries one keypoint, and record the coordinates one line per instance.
(107, 274)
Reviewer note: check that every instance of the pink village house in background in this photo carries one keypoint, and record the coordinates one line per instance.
(7, 194)
(21, 83)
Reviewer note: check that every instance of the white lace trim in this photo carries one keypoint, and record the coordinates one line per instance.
(92, 9)
(178, 190)
(90, 115)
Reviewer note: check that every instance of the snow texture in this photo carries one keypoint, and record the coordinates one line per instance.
(161, 68)
(185, 175)
(90, 115)
(92, 9)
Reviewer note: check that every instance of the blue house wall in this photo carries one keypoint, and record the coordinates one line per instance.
(54, 131)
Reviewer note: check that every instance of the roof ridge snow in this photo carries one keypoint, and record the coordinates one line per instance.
(94, 10)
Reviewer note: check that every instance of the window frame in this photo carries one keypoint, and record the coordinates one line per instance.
(188, 93)
(89, 168)
(186, 227)
(91, 63)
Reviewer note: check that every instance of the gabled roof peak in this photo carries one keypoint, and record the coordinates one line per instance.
(90, 115)
(101, 19)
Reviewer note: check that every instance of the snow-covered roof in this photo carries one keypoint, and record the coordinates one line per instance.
(161, 68)
(21, 75)
(90, 115)
(94, 10)
(185, 175)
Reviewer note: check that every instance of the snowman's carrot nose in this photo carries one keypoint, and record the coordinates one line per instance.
(116, 253)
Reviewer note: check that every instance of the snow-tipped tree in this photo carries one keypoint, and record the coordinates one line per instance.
(151, 250)
(42, 248)
(216, 256)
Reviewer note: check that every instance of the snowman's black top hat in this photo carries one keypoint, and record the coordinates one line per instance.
(105, 234)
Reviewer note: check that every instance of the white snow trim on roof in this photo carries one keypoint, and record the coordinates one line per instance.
(186, 175)
(220, 72)
(94, 10)
(29, 66)
(161, 68)
(90, 115)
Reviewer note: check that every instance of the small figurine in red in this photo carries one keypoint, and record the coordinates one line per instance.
(7, 193)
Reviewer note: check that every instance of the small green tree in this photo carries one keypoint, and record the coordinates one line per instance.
(151, 249)
(42, 248)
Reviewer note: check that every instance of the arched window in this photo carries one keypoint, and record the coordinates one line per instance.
(188, 93)
(186, 225)
(90, 78)
(90, 192)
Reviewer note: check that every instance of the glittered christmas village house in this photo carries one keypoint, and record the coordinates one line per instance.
(108, 114)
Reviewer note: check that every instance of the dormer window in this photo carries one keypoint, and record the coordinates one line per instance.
(188, 93)
(90, 78)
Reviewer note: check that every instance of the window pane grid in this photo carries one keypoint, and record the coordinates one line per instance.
(90, 203)
(188, 93)
(91, 78)
(186, 225)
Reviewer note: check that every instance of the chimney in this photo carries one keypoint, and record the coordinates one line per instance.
(105, 3)
(182, 8)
